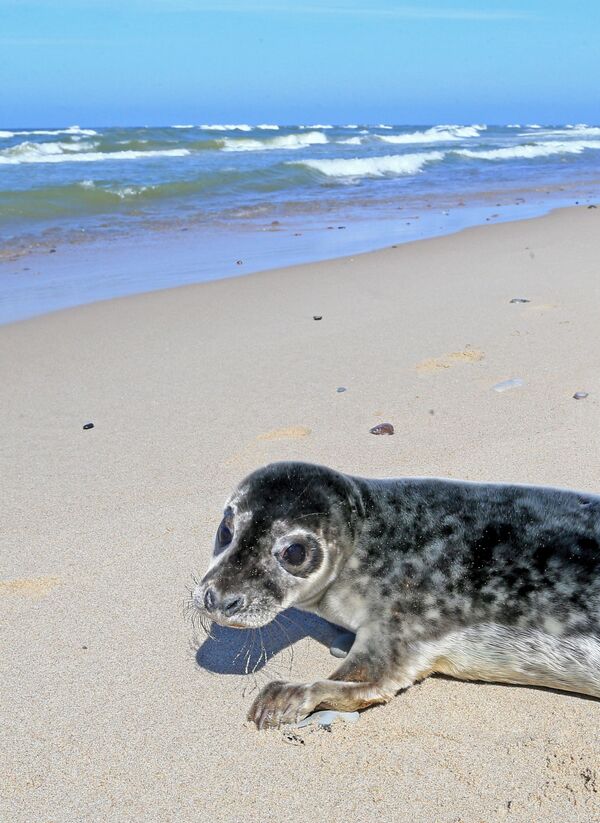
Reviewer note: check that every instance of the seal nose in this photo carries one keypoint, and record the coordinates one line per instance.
(210, 600)
(233, 604)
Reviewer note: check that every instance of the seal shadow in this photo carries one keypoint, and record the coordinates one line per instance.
(244, 651)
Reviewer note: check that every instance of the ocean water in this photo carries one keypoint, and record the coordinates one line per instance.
(226, 184)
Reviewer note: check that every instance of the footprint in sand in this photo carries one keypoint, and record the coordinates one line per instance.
(433, 364)
(288, 433)
(253, 452)
(28, 586)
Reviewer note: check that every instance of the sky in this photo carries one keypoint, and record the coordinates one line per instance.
(160, 62)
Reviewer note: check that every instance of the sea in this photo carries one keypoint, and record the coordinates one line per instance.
(89, 213)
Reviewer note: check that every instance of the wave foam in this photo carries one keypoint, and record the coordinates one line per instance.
(351, 141)
(581, 130)
(74, 152)
(226, 127)
(289, 141)
(373, 166)
(531, 151)
(436, 134)
(74, 130)
(268, 127)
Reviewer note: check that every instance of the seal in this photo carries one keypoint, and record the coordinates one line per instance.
(479, 581)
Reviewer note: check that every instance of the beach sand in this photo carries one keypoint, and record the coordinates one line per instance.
(107, 713)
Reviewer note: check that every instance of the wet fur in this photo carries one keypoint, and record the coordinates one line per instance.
(478, 581)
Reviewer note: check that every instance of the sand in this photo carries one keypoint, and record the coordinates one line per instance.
(110, 712)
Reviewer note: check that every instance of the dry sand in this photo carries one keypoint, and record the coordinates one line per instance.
(107, 715)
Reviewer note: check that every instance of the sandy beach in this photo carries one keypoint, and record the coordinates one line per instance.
(113, 709)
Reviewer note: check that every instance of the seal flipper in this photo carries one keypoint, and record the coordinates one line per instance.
(367, 677)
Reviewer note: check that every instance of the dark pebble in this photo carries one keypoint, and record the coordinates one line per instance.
(341, 389)
(317, 316)
(52, 251)
(382, 428)
(239, 262)
(580, 395)
(84, 647)
(520, 300)
(88, 426)
(341, 227)
(592, 207)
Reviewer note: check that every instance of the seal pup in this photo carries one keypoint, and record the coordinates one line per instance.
(479, 581)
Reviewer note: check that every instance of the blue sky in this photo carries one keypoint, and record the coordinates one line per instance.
(105, 62)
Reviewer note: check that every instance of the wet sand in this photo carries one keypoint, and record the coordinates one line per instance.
(111, 708)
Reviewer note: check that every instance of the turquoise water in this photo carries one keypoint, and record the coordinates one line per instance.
(226, 184)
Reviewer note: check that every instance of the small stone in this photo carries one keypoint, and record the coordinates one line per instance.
(239, 262)
(317, 316)
(326, 718)
(520, 300)
(84, 647)
(88, 426)
(382, 428)
(341, 389)
(580, 395)
(342, 644)
(513, 383)
(52, 251)
(592, 207)
(341, 227)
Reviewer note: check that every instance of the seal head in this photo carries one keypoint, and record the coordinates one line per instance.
(286, 531)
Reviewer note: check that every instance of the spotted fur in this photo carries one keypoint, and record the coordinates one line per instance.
(476, 580)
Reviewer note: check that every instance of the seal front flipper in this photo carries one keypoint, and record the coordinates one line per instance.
(362, 680)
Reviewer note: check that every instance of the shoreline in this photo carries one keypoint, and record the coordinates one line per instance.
(62, 276)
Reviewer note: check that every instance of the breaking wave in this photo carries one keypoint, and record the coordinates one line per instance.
(530, 151)
(391, 165)
(29, 152)
(437, 134)
(289, 141)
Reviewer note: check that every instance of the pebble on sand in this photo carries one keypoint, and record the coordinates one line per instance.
(513, 383)
(580, 395)
(382, 428)
(342, 644)
(520, 300)
(88, 426)
(317, 316)
(341, 389)
(326, 718)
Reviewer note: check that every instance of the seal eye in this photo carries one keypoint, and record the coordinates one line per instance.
(293, 555)
(224, 535)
